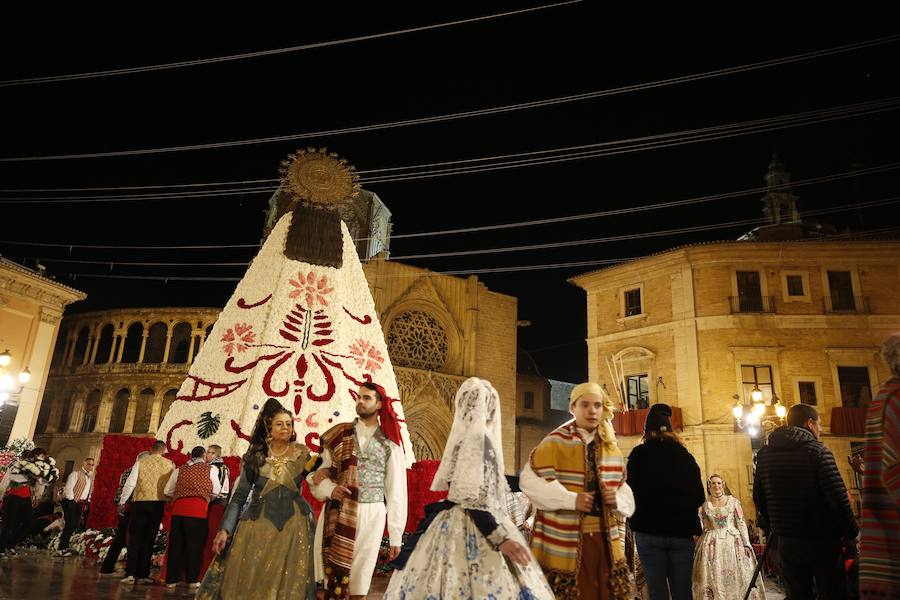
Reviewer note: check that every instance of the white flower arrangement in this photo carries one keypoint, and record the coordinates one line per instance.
(304, 334)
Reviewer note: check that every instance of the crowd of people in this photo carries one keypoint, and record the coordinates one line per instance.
(604, 527)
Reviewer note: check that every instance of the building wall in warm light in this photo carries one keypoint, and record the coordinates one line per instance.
(802, 320)
(31, 307)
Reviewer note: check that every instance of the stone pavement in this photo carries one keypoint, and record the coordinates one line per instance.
(38, 576)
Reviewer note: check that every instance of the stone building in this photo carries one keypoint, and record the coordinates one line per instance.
(116, 371)
(31, 306)
(701, 326)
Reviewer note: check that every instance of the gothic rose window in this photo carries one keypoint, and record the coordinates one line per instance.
(417, 340)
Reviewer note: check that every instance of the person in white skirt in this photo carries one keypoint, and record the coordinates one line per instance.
(468, 546)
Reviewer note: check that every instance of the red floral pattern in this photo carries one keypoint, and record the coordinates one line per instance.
(238, 338)
(310, 290)
(366, 355)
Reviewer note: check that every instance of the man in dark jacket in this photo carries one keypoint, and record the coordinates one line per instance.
(800, 496)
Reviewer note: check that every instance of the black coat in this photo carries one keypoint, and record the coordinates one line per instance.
(667, 489)
(798, 490)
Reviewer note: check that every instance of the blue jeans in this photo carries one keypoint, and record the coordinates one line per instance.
(668, 563)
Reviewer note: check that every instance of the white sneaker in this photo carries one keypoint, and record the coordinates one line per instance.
(146, 581)
(171, 586)
(194, 586)
(128, 579)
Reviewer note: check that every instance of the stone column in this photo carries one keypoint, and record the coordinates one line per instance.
(105, 413)
(96, 346)
(129, 416)
(155, 417)
(89, 350)
(69, 355)
(168, 344)
(471, 327)
(191, 348)
(55, 410)
(112, 348)
(78, 412)
(144, 337)
(38, 361)
(122, 336)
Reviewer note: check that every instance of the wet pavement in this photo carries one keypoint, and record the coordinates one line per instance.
(38, 576)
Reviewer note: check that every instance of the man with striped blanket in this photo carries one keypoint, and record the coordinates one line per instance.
(576, 480)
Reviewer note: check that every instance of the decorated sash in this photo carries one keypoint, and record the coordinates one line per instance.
(561, 456)
(339, 531)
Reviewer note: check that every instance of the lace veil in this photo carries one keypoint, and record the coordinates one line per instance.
(472, 468)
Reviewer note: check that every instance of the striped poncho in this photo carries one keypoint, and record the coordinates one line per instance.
(561, 456)
(879, 564)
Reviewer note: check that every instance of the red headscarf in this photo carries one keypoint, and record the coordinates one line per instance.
(390, 423)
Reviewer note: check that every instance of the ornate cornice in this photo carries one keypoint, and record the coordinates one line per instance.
(16, 280)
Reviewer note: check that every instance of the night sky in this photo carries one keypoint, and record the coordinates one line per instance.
(550, 53)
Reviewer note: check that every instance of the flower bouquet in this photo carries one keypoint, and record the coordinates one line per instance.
(90, 543)
(35, 469)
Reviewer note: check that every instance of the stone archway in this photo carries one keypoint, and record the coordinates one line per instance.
(428, 421)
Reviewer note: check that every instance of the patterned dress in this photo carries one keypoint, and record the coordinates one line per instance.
(722, 566)
(879, 552)
(453, 560)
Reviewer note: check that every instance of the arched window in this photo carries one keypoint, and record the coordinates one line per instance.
(91, 410)
(143, 411)
(65, 415)
(133, 337)
(119, 411)
(81, 345)
(416, 339)
(181, 341)
(44, 415)
(156, 343)
(168, 399)
(62, 342)
(104, 345)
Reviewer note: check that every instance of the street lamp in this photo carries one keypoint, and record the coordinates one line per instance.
(7, 381)
(757, 416)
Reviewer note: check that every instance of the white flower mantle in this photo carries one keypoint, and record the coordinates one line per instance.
(304, 334)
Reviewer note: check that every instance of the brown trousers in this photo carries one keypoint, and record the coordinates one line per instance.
(593, 572)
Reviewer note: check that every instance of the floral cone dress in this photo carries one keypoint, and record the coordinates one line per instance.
(722, 567)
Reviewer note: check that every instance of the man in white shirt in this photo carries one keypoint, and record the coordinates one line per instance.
(361, 494)
(76, 494)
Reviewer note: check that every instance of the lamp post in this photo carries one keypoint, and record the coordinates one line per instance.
(757, 417)
(8, 381)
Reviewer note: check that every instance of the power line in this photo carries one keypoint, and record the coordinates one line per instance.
(638, 144)
(478, 112)
(530, 247)
(511, 269)
(611, 212)
(633, 236)
(273, 52)
(537, 157)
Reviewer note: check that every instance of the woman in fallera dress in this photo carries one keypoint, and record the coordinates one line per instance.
(724, 561)
(468, 546)
(270, 552)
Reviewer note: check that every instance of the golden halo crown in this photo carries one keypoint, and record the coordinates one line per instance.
(319, 177)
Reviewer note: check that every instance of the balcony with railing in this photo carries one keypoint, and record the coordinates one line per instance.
(752, 304)
(842, 304)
